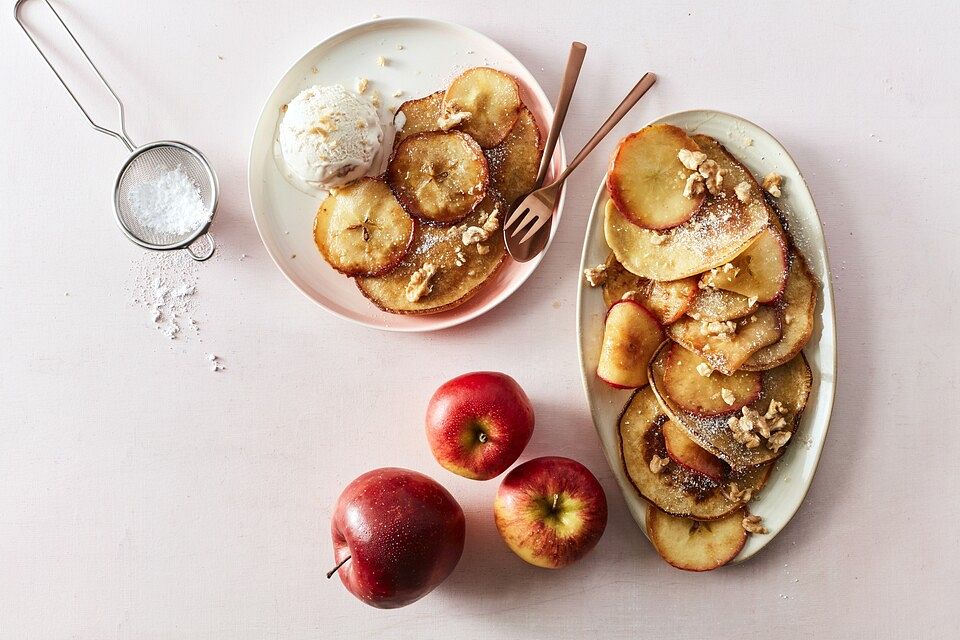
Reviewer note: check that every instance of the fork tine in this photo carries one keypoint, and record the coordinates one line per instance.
(523, 224)
(515, 215)
(541, 220)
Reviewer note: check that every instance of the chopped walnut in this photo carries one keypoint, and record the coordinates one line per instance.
(398, 93)
(694, 186)
(772, 183)
(375, 99)
(754, 524)
(735, 494)
(658, 464)
(419, 284)
(482, 249)
(362, 84)
(775, 409)
(718, 329)
(712, 176)
(691, 159)
(449, 120)
(704, 369)
(657, 238)
(596, 276)
(381, 61)
(752, 300)
(461, 257)
(778, 440)
(744, 192)
(728, 396)
(476, 235)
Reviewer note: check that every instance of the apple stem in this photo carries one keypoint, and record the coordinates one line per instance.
(337, 568)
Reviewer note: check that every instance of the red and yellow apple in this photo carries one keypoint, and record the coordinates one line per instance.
(397, 534)
(478, 424)
(550, 511)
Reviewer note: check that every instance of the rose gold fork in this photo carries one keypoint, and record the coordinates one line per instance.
(537, 208)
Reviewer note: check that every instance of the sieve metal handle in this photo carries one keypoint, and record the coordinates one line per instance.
(207, 252)
(120, 135)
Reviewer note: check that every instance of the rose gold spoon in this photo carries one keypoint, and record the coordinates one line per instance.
(537, 208)
(522, 252)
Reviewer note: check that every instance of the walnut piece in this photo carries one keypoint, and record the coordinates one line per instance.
(728, 396)
(694, 186)
(724, 330)
(448, 121)
(754, 524)
(704, 369)
(772, 183)
(658, 464)
(482, 249)
(691, 159)
(381, 61)
(362, 84)
(735, 494)
(596, 276)
(475, 235)
(744, 192)
(712, 176)
(777, 440)
(419, 284)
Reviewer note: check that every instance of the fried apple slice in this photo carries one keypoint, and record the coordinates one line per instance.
(759, 273)
(727, 345)
(719, 305)
(439, 176)
(689, 454)
(484, 103)
(676, 489)
(715, 235)
(515, 162)
(696, 546)
(361, 229)
(630, 336)
(797, 308)
(461, 271)
(646, 179)
(712, 395)
(667, 300)
(418, 116)
(788, 384)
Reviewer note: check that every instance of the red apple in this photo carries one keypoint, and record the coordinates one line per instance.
(478, 424)
(397, 534)
(550, 511)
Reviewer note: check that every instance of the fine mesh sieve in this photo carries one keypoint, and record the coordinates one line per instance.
(145, 165)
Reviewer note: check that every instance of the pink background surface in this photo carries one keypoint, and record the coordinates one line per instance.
(144, 496)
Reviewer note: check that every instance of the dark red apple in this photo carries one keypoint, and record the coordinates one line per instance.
(550, 511)
(397, 534)
(479, 423)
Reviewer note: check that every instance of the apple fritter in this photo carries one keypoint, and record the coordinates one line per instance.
(514, 163)
(675, 489)
(419, 116)
(460, 269)
(439, 176)
(483, 103)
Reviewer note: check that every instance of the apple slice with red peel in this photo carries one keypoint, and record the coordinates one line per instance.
(667, 300)
(693, 545)
(689, 454)
(675, 488)
(759, 272)
(689, 389)
(630, 337)
(727, 351)
(798, 306)
(646, 179)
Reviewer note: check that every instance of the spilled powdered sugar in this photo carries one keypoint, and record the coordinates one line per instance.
(165, 286)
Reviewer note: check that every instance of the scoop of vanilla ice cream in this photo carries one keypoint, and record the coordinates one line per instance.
(329, 136)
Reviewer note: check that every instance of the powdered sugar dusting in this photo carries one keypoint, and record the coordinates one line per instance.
(165, 287)
(171, 204)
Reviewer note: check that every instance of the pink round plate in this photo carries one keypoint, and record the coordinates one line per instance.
(422, 56)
